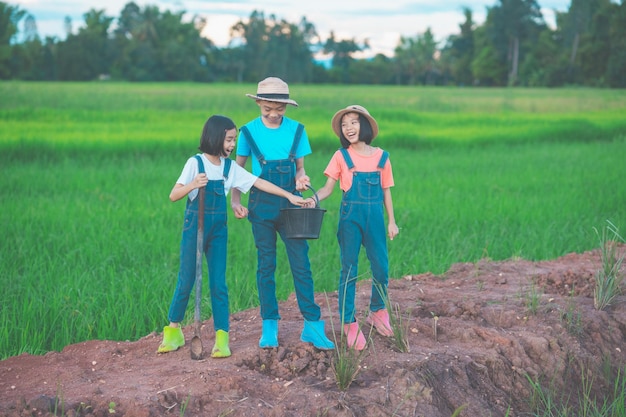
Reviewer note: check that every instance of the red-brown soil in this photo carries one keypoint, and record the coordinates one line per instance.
(489, 340)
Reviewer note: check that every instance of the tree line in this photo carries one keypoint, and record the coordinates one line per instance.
(513, 47)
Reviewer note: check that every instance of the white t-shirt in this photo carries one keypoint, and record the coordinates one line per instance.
(238, 177)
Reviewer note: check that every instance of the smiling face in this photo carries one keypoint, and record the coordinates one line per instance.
(230, 140)
(351, 127)
(272, 112)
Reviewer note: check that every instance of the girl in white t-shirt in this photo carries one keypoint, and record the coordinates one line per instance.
(212, 171)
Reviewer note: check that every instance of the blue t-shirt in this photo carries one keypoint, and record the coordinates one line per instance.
(274, 144)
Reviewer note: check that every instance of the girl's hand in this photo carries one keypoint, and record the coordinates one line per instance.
(393, 230)
(200, 181)
(303, 183)
(309, 202)
(296, 200)
(240, 211)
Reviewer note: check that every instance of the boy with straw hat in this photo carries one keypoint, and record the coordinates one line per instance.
(278, 146)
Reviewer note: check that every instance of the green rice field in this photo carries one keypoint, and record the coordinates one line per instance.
(90, 239)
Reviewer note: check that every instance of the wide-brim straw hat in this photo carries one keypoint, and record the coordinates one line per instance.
(353, 108)
(273, 89)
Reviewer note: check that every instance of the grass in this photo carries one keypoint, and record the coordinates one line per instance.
(572, 318)
(400, 327)
(90, 248)
(532, 298)
(608, 279)
(551, 402)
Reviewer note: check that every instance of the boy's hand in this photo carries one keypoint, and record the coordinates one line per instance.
(240, 211)
(303, 183)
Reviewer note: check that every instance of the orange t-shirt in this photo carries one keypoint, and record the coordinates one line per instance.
(337, 168)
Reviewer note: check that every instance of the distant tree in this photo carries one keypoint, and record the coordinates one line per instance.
(30, 29)
(288, 52)
(341, 52)
(183, 53)
(377, 70)
(10, 17)
(458, 52)
(595, 48)
(488, 67)
(67, 26)
(616, 68)
(545, 64)
(572, 26)
(415, 59)
(274, 47)
(229, 64)
(512, 26)
(86, 55)
(151, 45)
(29, 58)
(254, 34)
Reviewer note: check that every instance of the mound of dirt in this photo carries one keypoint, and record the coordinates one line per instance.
(477, 334)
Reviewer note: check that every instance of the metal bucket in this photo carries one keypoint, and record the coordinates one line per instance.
(303, 222)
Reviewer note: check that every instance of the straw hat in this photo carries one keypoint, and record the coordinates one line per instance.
(354, 108)
(273, 89)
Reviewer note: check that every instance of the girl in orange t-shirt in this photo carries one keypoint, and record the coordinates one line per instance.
(365, 177)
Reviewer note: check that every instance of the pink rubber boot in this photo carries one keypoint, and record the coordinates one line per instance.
(355, 337)
(380, 320)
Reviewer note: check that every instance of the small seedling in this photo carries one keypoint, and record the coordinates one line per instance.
(435, 324)
(608, 278)
(533, 297)
(573, 317)
(346, 362)
(399, 325)
(400, 328)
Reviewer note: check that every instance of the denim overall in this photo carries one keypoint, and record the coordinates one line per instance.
(264, 214)
(215, 244)
(362, 221)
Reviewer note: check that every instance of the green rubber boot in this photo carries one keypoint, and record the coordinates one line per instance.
(220, 349)
(173, 338)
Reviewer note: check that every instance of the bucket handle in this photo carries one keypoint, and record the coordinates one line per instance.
(317, 200)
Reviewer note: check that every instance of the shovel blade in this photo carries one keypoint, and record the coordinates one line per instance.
(196, 348)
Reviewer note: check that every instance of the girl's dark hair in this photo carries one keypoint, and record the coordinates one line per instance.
(366, 134)
(213, 134)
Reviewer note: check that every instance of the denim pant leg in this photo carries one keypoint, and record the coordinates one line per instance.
(375, 243)
(298, 255)
(349, 236)
(216, 259)
(265, 239)
(187, 269)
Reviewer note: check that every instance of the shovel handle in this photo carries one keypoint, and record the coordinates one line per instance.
(199, 247)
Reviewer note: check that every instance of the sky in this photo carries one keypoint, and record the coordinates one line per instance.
(380, 22)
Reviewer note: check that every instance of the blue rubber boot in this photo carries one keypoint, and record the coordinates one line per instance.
(313, 332)
(269, 337)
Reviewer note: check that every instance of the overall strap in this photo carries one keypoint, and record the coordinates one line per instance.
(296, 142)
(383, 159)
(347, 158)
(200, 164)
(227, 162)
(253, 145)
